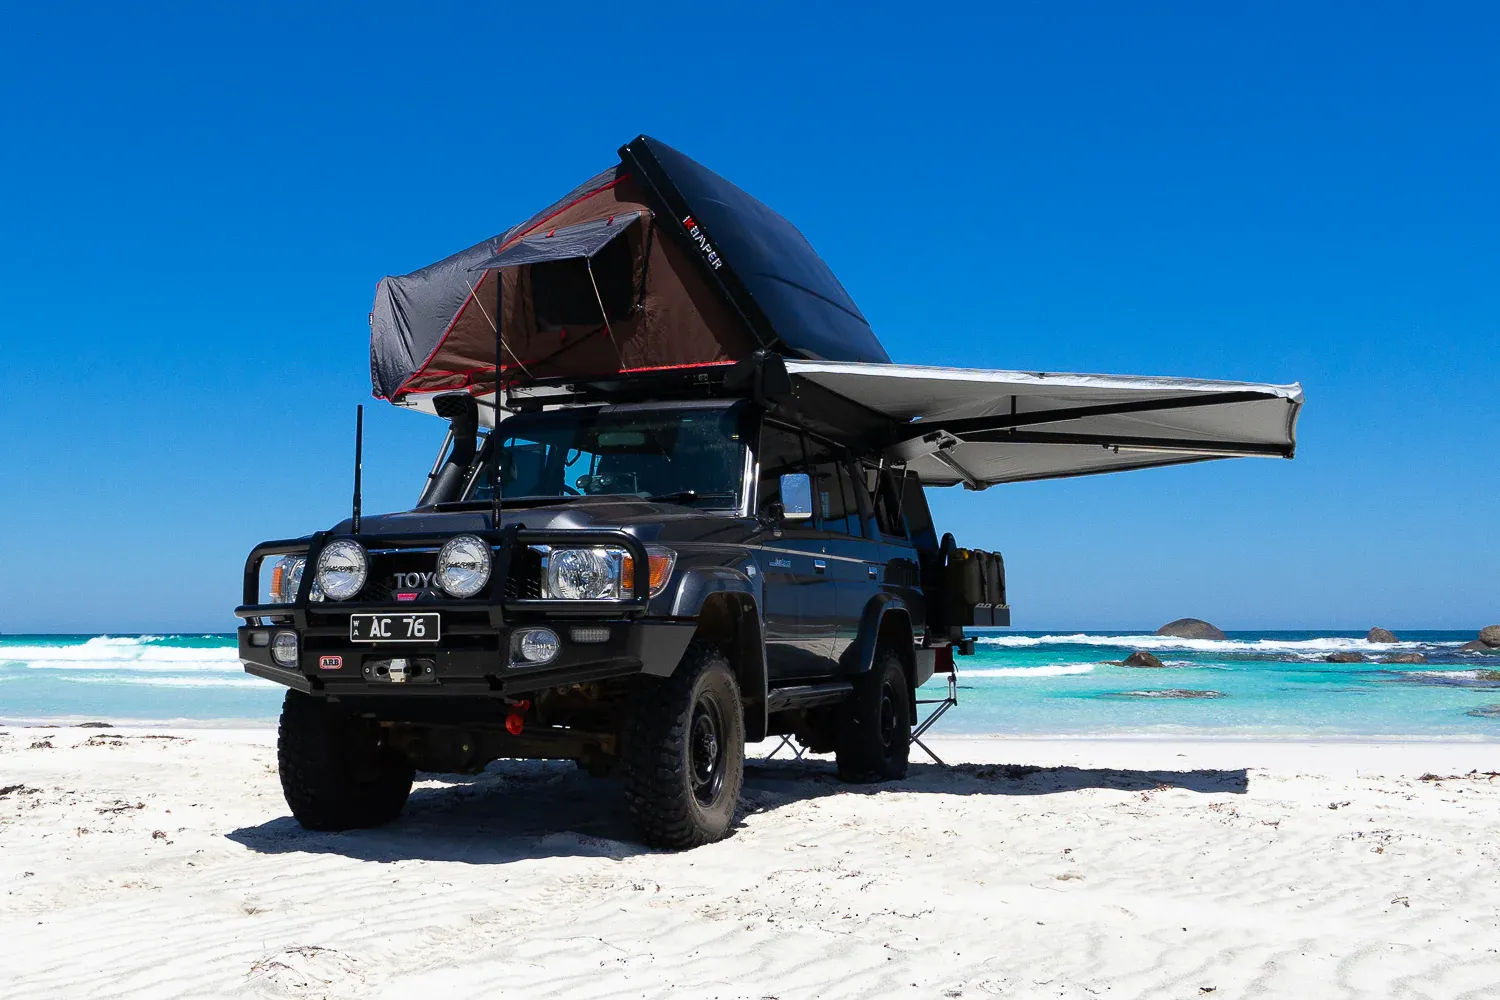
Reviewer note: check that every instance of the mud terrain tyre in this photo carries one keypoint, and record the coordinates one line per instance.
(684, 754)
(336, 771)
(875, 737)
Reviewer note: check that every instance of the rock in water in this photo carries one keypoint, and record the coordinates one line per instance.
(1345, 658)
(1485, 712)
(1378, 634)
(1404, 658)
(1190, 628)
(1490, 635)
(1141, 658)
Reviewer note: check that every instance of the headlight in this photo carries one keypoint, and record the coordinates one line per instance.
(603, 574)
(342, 568)
(584, 574)
(286, 579)
(463, 566)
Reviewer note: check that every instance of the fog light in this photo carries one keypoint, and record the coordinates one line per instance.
(535, 645)
(284, 649)
(589, 634)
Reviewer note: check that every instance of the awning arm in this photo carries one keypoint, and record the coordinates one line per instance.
(966, 426)
(1226, 449)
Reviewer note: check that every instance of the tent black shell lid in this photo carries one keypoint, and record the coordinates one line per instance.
(785, 291)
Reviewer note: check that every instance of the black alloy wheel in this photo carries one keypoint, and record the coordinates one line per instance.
(684, 752)
(706, 756)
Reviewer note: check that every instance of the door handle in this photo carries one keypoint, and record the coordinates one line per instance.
(820, 565)
(873, 575)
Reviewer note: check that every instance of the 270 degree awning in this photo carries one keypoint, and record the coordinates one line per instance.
(980, 427)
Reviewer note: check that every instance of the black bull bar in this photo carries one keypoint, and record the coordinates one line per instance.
(504, 544)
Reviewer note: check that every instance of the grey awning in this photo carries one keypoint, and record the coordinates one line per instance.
(568, 243)
(980, 427)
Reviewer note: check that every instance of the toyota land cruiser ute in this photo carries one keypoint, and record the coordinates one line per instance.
(667, 581)
(680, 508)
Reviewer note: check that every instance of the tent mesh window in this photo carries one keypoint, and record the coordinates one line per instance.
(563, 296)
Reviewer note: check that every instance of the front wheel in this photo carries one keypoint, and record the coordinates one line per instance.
(685, 753)
(874, 739)
(336, 771)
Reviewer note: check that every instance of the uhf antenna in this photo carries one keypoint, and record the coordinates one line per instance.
(495, 488)
(359, 454)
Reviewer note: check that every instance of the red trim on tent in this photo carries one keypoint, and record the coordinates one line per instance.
(469, 374)
(421, 369)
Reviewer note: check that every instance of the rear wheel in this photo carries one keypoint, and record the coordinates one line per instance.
(336, 771)
(875, 736)
(685, 756)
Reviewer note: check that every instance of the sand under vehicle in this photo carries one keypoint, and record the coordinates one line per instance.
(680, 507)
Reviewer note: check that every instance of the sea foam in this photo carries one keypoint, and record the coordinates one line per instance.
(1046, 670)
(1310, 648)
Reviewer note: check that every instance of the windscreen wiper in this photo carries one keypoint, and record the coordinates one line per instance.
(682, 496)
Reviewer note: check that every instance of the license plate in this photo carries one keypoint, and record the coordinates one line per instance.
(395, 628)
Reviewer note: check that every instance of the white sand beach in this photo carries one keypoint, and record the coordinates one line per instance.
(153, 863)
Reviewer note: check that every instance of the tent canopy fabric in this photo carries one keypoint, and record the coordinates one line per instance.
(567, 243)
(980, 427)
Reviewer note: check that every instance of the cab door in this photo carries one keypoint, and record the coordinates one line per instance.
(800, 595)
(855, 562)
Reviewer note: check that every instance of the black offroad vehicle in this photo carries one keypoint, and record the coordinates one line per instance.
(668, 581)
(680, 509)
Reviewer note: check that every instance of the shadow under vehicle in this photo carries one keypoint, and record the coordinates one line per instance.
(680, 508)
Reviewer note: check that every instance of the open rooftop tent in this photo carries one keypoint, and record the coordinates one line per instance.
(657, 262)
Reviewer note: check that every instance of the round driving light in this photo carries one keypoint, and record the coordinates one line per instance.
(536, 645)
(580, 575)
(284, 649)
(463, 566)
(342, 568)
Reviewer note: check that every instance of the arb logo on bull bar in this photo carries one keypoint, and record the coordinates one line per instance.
(330, 662)
(695, 232)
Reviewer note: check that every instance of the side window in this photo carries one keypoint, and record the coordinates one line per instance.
(887, 502)
(780, 454)
(831, 501)
(562, 291)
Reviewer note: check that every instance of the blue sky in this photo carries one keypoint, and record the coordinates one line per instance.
(198, 203)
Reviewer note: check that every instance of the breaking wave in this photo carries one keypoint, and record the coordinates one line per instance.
(174, 654)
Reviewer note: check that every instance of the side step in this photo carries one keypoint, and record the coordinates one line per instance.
(807, 695)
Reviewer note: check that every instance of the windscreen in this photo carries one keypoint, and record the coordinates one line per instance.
(693, 457)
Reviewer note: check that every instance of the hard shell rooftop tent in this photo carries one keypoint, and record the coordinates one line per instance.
(658, 263)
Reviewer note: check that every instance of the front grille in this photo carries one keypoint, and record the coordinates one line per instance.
(405, 571)
(525, 580)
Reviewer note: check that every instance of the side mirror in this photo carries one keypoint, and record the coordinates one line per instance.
(796, 497)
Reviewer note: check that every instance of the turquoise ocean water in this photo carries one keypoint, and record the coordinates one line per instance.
(1260, 683)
